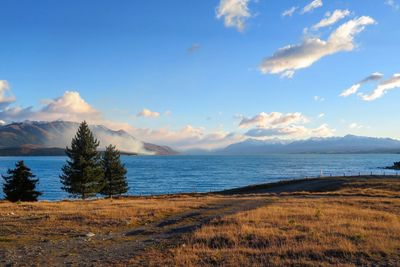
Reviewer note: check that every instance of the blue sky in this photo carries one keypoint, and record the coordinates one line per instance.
(203, 73)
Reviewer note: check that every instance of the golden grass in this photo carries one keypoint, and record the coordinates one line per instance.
(25, 222)
(366, 187)
(357, 224)
(299, 231)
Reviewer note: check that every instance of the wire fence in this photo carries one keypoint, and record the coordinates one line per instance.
(323, 174)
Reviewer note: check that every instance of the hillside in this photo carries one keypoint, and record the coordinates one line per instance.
(51, 138)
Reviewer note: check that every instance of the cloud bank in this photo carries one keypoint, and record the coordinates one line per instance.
(189, 137)
(271, 119)
(276, 124)
(287, 60)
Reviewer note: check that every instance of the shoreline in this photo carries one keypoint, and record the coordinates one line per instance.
(311, 185)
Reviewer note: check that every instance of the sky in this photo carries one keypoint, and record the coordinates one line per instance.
(204, 73)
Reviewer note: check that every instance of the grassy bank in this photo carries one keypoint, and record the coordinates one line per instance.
(299, 231)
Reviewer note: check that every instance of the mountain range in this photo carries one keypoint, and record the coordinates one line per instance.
(347, 144)
(51, 138)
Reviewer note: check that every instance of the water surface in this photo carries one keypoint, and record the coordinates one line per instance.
(152, 175)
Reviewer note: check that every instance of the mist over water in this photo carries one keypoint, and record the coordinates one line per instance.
(176, 174)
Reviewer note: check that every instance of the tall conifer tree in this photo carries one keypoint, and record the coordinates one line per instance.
(82, 175)
(115, 183)
(20, 184)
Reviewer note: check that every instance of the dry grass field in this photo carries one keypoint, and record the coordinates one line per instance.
(25, 223)
(356, 223)
(300, 232)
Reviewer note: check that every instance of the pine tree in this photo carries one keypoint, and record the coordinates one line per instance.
(20, 184)
(114, 173)
(82, 175)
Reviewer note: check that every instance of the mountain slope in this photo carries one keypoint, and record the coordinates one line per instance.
(50, 138)
(346, 144)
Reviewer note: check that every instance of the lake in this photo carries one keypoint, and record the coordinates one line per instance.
(154, 175)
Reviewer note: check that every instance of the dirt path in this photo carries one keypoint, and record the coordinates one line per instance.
(107, 250)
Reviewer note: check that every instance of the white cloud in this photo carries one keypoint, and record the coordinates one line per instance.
(313, 5)
(321, 115)
(5, 97)
(393, 4)
(289, 12)
(350, 91)
(276, 124)
(70, 102)
(322, 131)
(331, 18)
(383, 88)
(319, 98)
(291, 58)
(291, 131)
(69, 107)
(271, 119)
(147, 113)
(234, 12)
(4, 86)
(355, 87)
(355, 125)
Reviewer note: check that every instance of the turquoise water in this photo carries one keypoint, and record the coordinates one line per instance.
(154, 175)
